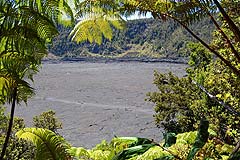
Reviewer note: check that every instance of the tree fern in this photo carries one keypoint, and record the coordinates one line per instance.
(12, 72)
(185, 12)
(26, 26)
(49, 145)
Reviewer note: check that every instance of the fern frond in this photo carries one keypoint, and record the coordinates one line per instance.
(79, 153)
(49, 145)
(96, 21)
(94, 29)
(187, 11)
(57, 11)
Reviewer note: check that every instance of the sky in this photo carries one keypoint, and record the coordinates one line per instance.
(137, 16)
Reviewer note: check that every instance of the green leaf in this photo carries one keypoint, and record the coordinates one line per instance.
(95, 22)
(79, 152)
(170, 139)
(201, 139)
(133, 151)
(140, 141)
(49, 145)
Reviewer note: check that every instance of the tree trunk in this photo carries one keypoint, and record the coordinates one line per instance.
(227, 62)
(231, 24)
(10, 123)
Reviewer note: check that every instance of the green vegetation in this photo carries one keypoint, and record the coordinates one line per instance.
(188, 145)
(47, 120)
(208, 97)
(210, 90)
(21, 149)
(16, 148)
(48, 144)
(26, 28)
(140, 38)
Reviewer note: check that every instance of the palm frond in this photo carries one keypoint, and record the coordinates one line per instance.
(49, 145)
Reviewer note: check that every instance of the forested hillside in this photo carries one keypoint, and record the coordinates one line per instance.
(140, 38)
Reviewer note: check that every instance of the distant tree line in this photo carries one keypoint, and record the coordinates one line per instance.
(143, 37)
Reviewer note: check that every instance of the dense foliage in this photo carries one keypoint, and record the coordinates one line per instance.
(180, 102)
(47, 120)
(210, 90)
(187, 146)
(209, 95)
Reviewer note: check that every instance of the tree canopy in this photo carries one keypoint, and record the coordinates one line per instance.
(184, 12)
